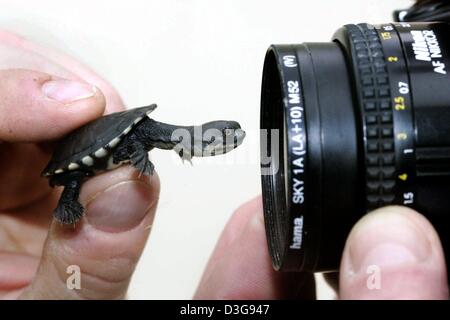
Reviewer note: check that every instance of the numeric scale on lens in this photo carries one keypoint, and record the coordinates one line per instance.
(402, 112)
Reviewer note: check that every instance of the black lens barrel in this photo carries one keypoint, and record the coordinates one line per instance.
(363, 122)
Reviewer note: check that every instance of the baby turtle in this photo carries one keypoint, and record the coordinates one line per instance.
(127, 137)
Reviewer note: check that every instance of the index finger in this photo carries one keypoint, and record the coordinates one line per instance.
(240, 266)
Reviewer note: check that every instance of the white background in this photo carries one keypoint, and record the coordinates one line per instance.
(199, 60)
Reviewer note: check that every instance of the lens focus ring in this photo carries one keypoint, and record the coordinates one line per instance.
(376, 111)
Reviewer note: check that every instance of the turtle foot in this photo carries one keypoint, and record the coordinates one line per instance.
(68, 212)
(141, 162)
(146, 168)
(189, 160)
(185, 156)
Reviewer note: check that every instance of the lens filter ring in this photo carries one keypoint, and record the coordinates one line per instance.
(284, 179)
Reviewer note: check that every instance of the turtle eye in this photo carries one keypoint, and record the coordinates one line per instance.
(229, 132)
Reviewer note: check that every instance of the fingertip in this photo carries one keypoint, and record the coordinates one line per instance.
(239, 220)
(65, 105)
(245, 212)
(241, 268)
(399, 251)
(252, 205)
(120, 200)
(38, 106)
(80, 112)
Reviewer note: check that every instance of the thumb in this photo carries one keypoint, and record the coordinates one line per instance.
(96, 258)
(393, 253)
(35, 106)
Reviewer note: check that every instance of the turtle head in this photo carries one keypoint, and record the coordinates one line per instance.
(221, 137)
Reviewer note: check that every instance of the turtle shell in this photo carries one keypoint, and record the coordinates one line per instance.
(95, 140)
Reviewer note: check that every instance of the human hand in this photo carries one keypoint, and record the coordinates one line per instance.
(45, 95)
(399, 241)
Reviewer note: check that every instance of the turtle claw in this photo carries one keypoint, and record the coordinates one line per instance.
(141, 162)
(68, 212)
(188, 160)
(147, 168)
(184, 156)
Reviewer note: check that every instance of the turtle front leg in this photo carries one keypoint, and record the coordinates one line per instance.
(69, 210)
(139, 159)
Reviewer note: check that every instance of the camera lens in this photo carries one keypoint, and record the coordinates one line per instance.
(351, 125)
